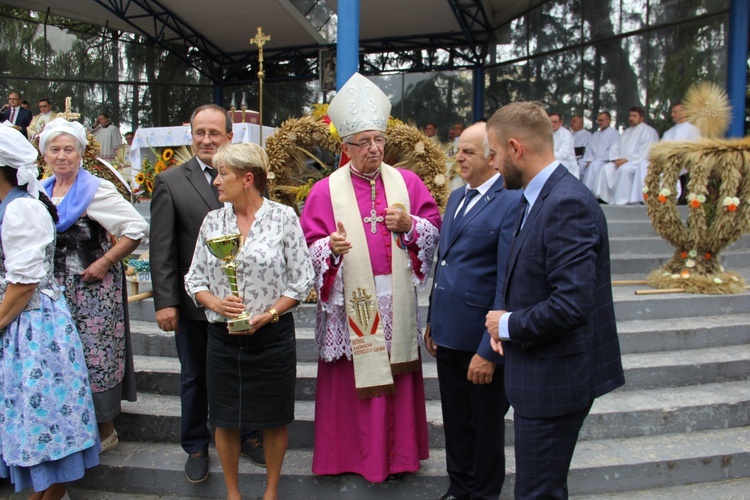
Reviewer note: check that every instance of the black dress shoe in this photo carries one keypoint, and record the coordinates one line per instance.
(196, 467)
(448, 496)
(253, 450)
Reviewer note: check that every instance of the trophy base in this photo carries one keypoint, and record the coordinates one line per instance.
(240, 326)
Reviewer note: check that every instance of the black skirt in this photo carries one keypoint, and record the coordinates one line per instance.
(251, 378)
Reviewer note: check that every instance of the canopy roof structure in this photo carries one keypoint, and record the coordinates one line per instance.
(213, 37)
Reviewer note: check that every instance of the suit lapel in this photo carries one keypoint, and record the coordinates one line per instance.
(529, 224)
(198, 179)
(480, 205)
(450, 212)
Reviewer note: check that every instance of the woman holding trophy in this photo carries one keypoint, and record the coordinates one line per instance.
(250, 268)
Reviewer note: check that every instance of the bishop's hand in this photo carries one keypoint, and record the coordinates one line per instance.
(397, 220)
(338, 242)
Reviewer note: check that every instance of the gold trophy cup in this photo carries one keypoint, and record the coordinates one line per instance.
(225, 248)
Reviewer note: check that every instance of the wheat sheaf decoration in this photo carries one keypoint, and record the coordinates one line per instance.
(718, 195)
(305, 150)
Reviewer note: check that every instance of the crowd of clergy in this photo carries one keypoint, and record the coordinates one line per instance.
(611, 164)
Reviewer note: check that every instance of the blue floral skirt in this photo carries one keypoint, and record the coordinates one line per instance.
(48, 431)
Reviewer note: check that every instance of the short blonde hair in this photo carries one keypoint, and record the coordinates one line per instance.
(243, 158)
(527, 121)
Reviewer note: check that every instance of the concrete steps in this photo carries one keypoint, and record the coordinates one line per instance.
(621, 414)
(635, 336)
(728, 489)
(678, 428)
(647, 370)
(599, 466)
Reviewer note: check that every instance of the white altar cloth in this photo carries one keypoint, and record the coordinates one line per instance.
(161, 137)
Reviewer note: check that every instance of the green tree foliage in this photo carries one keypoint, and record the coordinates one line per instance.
(441, 98)
(126, 76)
(587, 56)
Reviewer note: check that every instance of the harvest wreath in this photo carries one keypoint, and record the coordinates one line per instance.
(718, 194)
(304, 150)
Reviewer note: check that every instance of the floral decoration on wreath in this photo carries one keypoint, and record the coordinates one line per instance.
(718, 196)
(166, 158)
(307, 149)
(93, 164)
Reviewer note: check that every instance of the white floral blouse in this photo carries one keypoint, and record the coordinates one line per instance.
(273, 262)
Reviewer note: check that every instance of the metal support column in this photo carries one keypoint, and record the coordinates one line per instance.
(219, 94)
(477, 82)
(739, 20)
(347, 44)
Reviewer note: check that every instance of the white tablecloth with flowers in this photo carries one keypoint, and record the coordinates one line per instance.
(146, 139)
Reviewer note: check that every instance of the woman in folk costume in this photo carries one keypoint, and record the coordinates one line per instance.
(48, 434)
(372, 231)
(88, 265)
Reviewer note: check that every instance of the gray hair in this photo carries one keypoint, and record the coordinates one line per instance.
(57, 133)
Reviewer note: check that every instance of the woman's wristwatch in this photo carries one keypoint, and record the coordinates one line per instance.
(273, 313)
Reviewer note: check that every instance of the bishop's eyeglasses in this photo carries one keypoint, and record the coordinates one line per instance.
(365, 144)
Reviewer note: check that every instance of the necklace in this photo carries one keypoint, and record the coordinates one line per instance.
(373, 218)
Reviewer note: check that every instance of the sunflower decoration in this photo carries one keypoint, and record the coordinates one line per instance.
(165, 159)
(93, 164)
(718, 196)
(307, 149)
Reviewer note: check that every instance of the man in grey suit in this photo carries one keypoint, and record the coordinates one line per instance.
(182, 197)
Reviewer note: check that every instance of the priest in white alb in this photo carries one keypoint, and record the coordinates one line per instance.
(39, 121)
(108, 136)
(599, 151)
(372, 230)
(683, 130)
(617, 179)
(564, 150)
(581, 140)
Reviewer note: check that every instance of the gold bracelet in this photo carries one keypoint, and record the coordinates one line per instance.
(108, 259)
(273, 313)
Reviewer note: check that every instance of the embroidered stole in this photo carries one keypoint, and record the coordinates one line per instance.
(373, 369)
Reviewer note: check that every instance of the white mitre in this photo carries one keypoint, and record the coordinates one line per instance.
(358, 106)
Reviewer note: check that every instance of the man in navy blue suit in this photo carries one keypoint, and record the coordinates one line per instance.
(474, 243)
(556, 325)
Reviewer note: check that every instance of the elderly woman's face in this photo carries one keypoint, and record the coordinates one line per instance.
(62, 156)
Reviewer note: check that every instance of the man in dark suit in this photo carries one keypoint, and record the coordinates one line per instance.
(474, 243)
(556, 325)
(182, 197)
(13, 112)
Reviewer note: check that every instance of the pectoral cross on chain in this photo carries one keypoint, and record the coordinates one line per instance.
(373, 221)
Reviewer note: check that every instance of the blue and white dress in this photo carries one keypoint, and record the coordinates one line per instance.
(48, 431)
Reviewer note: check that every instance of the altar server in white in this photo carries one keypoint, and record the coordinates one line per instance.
(45, 116)
(581, 140)
(599, 151)
(564, 150)
(683, 130)
(108, 136)
(616, 180)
